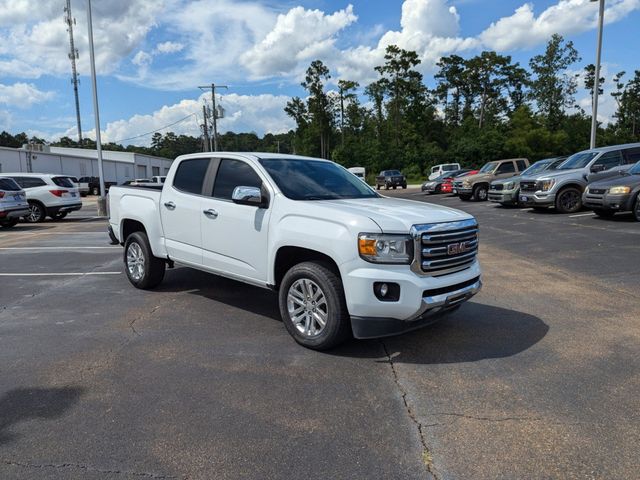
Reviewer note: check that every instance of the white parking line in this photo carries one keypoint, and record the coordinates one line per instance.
(70, 247)
(590, 214)
(61, 233)
(65, 274)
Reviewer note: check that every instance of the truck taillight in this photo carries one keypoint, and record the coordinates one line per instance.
(58, 193)
(1, 194)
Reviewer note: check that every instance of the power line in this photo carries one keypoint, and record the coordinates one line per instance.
(157, 130)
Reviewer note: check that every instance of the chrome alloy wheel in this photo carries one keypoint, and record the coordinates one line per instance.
(307, 306)
(135, 261)
(35, 214)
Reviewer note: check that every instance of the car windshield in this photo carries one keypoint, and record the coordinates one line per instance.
(391, 172)
(536, 167)
(635, 170)
(577, 160)
(489, 167)
(315, 180)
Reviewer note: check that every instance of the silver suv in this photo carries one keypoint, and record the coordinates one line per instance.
(13, 202)
(562, 188)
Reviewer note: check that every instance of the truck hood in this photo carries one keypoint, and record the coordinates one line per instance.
(478, 177)
(395, 215)
(555, 174)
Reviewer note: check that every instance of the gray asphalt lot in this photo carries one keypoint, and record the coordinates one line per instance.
(536, 377)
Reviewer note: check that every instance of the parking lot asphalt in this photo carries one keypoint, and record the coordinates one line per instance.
(536, 377)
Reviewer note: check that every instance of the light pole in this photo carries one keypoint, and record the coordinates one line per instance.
(596, 80)
(102, 201)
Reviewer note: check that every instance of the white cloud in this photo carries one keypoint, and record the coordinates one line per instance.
(524, 30)
(168, 47)
(142, 59)
(22, 95)
(243, 113)
(297, 36)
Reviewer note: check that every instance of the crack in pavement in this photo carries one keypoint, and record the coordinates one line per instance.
(427, 458)
(87, 468)
(146, 315)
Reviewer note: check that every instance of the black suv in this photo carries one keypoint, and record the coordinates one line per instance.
(94, 184)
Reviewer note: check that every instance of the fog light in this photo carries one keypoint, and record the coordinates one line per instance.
(386, 292)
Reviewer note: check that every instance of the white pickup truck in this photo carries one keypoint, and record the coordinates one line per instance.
(343, 259)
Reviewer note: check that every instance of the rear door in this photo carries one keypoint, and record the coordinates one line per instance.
(181, 209)
(234, 237)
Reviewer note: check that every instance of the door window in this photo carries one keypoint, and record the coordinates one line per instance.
(232, 174)
(610, 159)
(29, 182)
(506, 167)
(631, 155)
(190, 175)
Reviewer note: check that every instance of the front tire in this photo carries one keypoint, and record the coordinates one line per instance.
(143, 270)
(569, 200)
(404, 186)
(37, 213)
(480, 193)
(313, 307)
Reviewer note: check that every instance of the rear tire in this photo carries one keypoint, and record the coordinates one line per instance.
(312, 293)
(404, 186)
(9, 223)
(37, 213)
(604, 213)
(143, 270)
(569, 200)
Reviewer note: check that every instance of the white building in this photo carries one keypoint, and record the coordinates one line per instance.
(80, 162)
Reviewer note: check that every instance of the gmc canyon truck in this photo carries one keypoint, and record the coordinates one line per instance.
(343, 259)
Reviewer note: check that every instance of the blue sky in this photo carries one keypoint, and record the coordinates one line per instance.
(152, 54)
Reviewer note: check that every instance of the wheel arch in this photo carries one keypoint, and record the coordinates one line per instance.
(287, 256)
(129, 226)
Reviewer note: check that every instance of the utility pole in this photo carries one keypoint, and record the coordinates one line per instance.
(102, 201)
(205, 131)
(596, 80)
(73, 55)
(215, 114)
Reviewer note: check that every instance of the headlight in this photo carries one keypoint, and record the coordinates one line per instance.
(385, 248)
(466, 183)
(509, 186)
(619, 190)
(546, 185)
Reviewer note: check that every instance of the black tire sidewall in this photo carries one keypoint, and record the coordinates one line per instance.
(338, 320)
(636, 208)
(153, 267)
(563, 192)
(476, 193)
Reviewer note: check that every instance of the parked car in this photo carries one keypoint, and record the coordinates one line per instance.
(343, 258)
(83, 187)
(616, 194)
(438, 170)
(391, 178)
(13, 202)
(563, 187)
(47, 195)
(94, 184)
(359, 172)
(477, 186)
(507, 191)
(435, 186)
(447, 186)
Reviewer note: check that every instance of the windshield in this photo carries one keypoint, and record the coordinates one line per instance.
(315, 180)
(489, 167)
(635, 170)
(578, 160)
(536, 167)
(387, 173)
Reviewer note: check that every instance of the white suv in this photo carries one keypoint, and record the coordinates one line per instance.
(47, 195)
(13, 202)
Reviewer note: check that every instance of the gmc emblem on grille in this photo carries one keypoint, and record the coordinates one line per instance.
(457, 248)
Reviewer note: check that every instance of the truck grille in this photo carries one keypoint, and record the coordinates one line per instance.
(528, 186)
(597, 191)
(497, 187)
(444, 248)
(457, 184)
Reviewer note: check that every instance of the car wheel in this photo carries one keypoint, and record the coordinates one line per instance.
(377, 187)
(636, 209)
(95, 191)
(404, 185)
(9, 223)
(480, 193)
(143, 270)
(465, 198)
(37, 213)
(569, 200)
(386, 186)
(313, 307)
(59, 216)
(604, 213)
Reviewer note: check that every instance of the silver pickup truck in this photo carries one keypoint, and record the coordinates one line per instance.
(563, 187)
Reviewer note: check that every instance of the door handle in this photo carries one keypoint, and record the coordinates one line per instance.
(211, 213)
(170, 205)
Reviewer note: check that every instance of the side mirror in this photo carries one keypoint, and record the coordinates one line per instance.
(597, 168)
(247, 196)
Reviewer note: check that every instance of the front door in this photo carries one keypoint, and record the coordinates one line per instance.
(234, 237)
(181, 209)
(505, 170)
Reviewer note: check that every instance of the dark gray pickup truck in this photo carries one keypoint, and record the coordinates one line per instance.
(391, 178)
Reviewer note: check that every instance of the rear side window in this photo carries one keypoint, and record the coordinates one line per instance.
(30, 182)
(232, 174)
(506, 167)
(450, 168)
(190, 175)
(9, 185)
(522, 165)
(610, 159)
(631, 155)
(62, 182)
